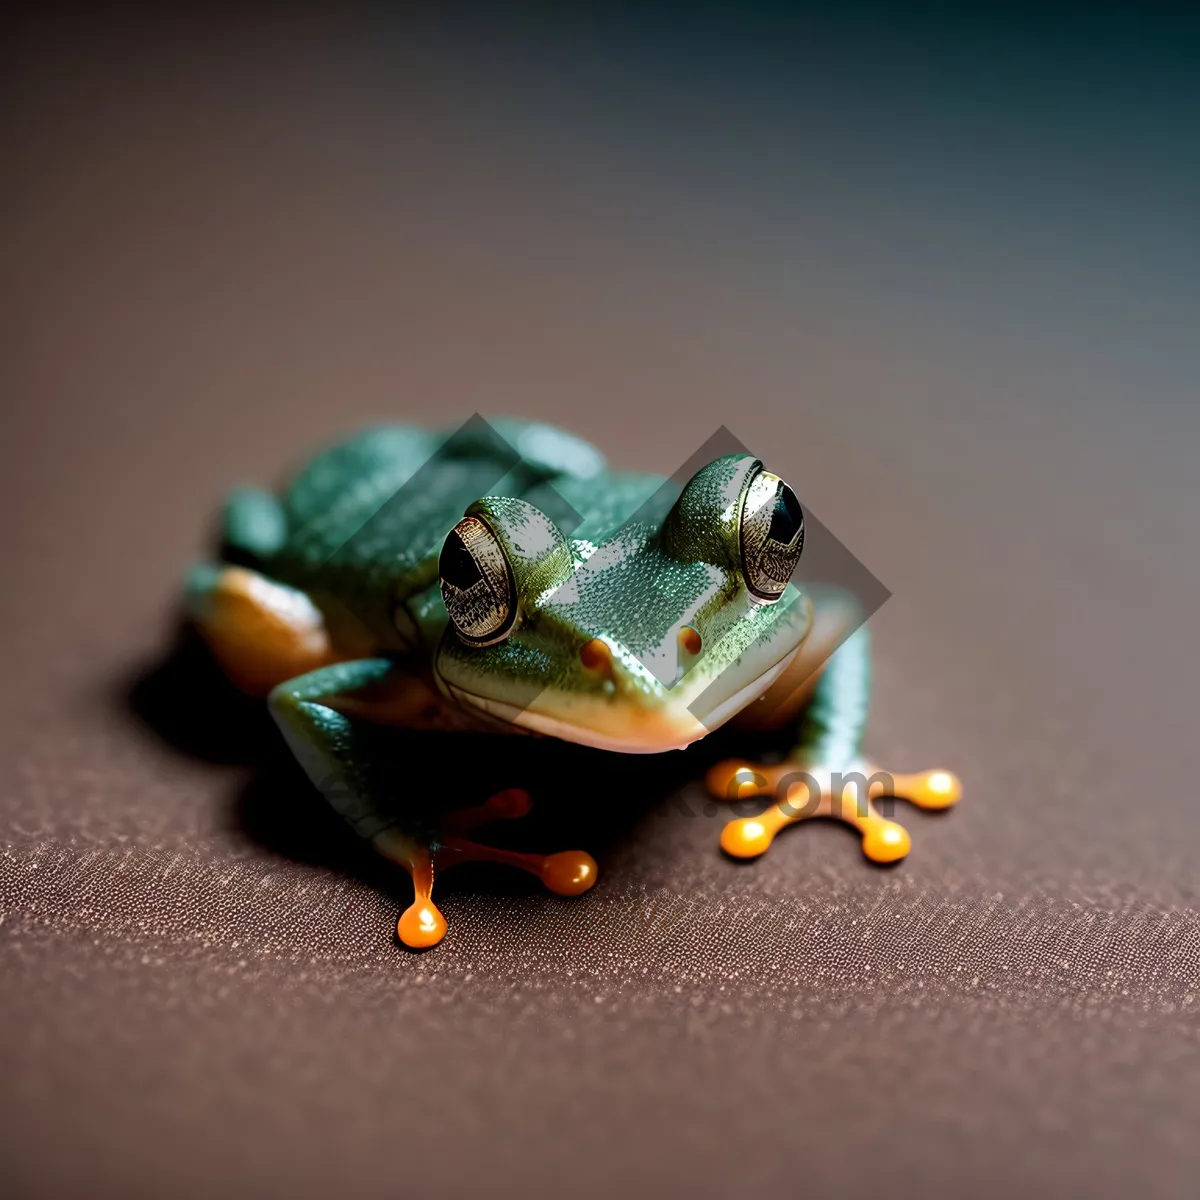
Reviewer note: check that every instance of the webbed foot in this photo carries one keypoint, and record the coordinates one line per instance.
(809, 791)
(421, 925)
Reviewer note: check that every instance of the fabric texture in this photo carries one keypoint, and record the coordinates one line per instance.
(226, 250)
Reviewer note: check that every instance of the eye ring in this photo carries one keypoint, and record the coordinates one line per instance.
(477, 585)
(772, 536)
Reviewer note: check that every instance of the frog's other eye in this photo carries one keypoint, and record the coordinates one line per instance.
(477, 583)
(772, 536)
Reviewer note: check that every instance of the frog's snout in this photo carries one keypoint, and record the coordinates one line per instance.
(629, 673)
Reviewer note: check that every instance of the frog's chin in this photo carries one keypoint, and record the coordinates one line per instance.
(626, 729)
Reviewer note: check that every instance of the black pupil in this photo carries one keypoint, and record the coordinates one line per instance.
(456, 566)
(787, 519)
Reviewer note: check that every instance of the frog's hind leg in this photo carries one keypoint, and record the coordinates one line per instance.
(260, 631)
(567, 873)
(824, 776)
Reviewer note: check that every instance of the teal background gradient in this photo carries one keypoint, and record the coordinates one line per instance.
(941, 271)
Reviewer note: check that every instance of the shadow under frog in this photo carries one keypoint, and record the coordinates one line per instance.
(188, 703)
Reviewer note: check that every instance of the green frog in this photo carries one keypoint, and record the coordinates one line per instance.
(500, 578)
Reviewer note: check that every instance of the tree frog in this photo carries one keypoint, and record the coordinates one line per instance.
(500, 578)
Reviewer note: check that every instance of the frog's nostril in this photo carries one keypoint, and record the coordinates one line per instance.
(596, 656)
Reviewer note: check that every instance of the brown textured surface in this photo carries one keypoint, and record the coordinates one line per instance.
(224, 249)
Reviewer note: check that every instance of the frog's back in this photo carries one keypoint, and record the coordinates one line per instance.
(359, 528)
(340, 483)
(362, 501)
(380, 503)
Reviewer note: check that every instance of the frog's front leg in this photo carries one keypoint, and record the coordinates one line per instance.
(567, 873)
(325, 717)
(824, 775)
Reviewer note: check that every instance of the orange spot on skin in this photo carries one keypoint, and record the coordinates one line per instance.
(690, 641)
(596, 655)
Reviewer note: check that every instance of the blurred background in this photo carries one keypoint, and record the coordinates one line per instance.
(941, 269)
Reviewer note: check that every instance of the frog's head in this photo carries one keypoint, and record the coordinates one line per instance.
(646, 642)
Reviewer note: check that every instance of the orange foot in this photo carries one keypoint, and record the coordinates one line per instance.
(422, 925)
(802, 792)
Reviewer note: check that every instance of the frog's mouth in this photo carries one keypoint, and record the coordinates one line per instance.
(644, 721)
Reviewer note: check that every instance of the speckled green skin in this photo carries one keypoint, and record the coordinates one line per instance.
(359, 531)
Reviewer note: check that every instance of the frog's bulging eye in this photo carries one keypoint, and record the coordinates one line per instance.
(772, 535)
(477, 584)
